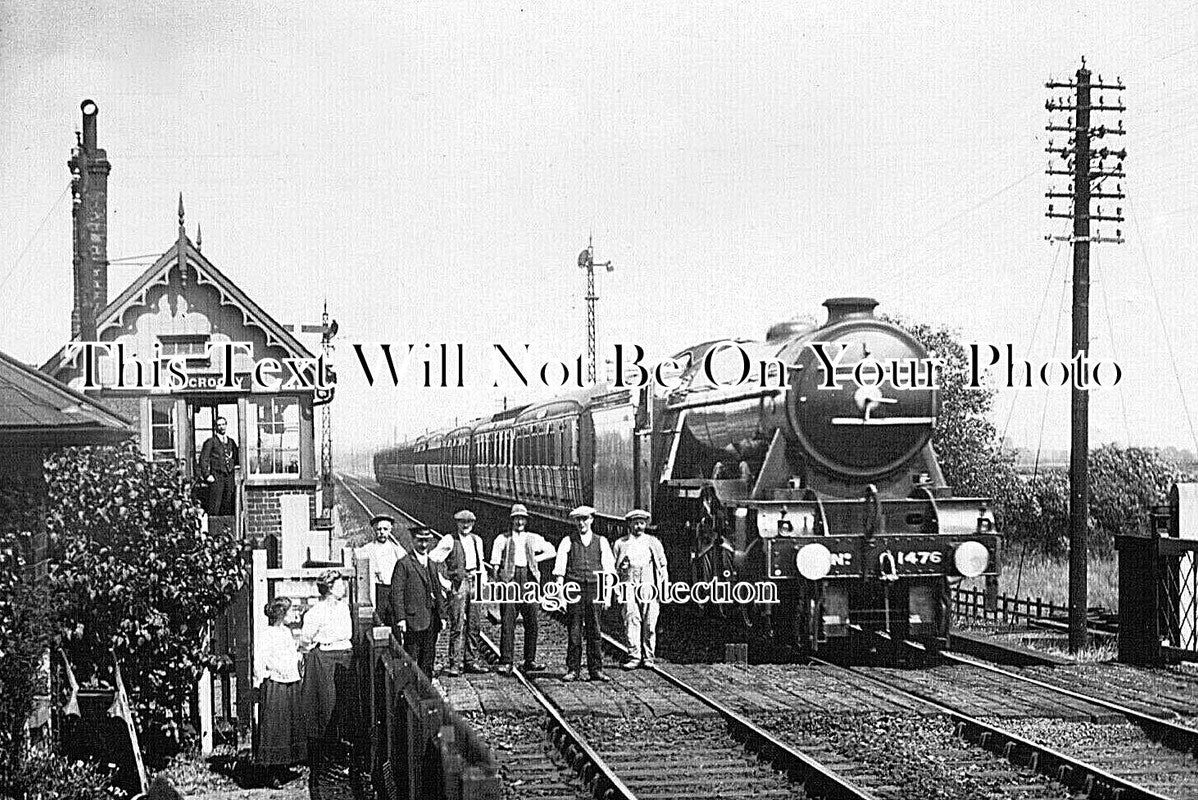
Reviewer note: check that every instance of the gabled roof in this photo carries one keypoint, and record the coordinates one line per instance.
(34, 406)
(183, 252)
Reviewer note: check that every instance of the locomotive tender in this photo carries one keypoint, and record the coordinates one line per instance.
(827, 486)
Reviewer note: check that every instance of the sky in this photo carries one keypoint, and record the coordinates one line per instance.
(433, 169)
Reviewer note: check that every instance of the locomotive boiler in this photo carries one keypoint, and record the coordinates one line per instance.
(804, 460)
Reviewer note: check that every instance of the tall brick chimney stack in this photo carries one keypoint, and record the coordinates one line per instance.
(89, 213)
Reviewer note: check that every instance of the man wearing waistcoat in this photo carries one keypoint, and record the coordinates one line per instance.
(219, 460)
(514, 558)
(418, 601)
(462, 554)
(641, 560)
(580, 557)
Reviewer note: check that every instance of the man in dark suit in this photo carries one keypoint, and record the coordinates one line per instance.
(219, 460)
(418, 601)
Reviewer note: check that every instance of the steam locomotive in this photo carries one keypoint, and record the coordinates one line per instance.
(816, 474)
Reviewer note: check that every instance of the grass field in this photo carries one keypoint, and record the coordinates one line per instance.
(1048, 580)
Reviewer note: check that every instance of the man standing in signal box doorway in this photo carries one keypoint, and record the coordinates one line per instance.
(219, 461)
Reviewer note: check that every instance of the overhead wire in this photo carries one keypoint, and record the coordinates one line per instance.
(1035, 328)
(1161, 318)
(1114, 346)
(33, 238)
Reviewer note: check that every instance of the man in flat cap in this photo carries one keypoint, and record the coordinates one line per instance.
(418, 601)
(641, 561)
(383, 553)
(580, 557)
(462, 554)
(514, 558)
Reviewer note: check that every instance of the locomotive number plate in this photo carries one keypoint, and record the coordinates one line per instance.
(918, 557)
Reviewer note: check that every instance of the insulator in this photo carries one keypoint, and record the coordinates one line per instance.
(1118, 211)
(1118, 233)
(1050, 208)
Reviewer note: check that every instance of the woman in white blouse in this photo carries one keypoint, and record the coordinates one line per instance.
(327, 635)
(281, 736)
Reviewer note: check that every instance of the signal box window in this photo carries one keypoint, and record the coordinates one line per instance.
(162, 429)
(274, 436)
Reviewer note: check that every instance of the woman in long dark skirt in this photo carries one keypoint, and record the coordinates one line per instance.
(281, 736)
(328, 630)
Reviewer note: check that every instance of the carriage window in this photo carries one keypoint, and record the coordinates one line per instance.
(274, 436)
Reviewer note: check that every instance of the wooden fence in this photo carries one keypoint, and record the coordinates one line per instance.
(974, 604)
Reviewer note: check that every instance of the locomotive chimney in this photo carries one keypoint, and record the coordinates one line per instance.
(842, 308)
(89, 188)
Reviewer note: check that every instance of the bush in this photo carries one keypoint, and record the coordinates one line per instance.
(132, 571)
(45, 775)
(24, 622)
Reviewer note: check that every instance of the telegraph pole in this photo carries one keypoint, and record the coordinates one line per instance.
(586, 260)
(1088, 169)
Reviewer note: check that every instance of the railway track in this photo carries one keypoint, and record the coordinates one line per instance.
(1128, 753)
(696, 758)
(644, 757)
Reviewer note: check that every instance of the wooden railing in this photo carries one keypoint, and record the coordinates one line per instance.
(422, 747)
(972, 604)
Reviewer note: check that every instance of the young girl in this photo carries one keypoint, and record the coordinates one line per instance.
(281, 740)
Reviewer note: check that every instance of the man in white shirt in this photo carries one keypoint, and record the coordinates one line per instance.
(641, 560)
(515, 556)
(462, 554)
(580, 557)
(383, 553)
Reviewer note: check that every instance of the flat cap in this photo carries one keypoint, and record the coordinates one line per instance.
(518, 510)
(582, 511)
(421, 532)
(377, 518)
(465, 516)
(636, 513)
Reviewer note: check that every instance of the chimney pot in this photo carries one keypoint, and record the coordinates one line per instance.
(842, 308)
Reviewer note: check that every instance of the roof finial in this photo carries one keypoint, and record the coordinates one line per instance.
(180, 210)
(199, 238)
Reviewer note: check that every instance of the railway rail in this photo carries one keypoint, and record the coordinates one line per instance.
(1109, 760)
(713, 755)
(1144, 757)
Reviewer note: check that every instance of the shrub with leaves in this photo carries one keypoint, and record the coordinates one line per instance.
(45, 775)
(24, 623)
(133, 571)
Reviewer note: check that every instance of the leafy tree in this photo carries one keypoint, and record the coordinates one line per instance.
(133, 571)
(24, 625)
(1125, 483)
(965, 440)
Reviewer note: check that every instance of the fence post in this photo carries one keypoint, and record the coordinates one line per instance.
(204, 692)
(991, 593)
